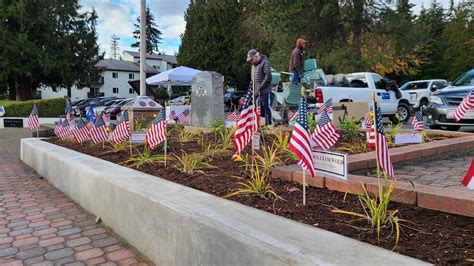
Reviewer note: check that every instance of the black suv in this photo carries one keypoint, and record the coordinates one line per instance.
(443, 104)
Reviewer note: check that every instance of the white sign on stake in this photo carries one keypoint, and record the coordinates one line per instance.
(256, 141)
(408, 138)
(330, 163)
(137, 137)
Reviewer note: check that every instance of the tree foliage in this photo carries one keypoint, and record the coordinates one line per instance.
(386, 37)
(46, 42)
(153, 34)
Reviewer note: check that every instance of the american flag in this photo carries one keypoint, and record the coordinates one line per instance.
(90, 115)
(65, 130)
(157, 131)
(326, 106)
(183, 118)
(99, 131)
(81, 133)
(325, 134)
(382, 147)
(293, 116)
(417, 122)
(465, 105)
(33, 119)
(57, 127)
(233, 116)
(172, 115)
(300, 142)
(369, 124)
(247, 124)
(122, 130)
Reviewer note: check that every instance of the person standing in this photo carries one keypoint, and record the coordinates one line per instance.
(262, 72)
(297, 62)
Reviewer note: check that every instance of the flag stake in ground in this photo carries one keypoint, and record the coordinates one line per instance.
(166, 138)
(375, 128)
(255, 116)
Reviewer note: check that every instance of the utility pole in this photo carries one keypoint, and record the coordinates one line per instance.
(114, 47)
(143, 48)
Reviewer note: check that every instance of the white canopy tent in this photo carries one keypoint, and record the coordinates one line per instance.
(180, 76)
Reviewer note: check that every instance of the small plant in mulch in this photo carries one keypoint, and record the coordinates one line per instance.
(281, 141)
(258, 184)
(213, 151)
(391, 132)
(358, 146)
(144, 157)
(349, 130)
(268, 157)
(224, 135)
(376, 211)
(114, 148)
(182, 135)
(191, 163)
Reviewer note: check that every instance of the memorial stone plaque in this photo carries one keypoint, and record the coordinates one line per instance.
(13, 122)
(207, 98)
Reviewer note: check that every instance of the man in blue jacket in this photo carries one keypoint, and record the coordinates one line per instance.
(263, 83)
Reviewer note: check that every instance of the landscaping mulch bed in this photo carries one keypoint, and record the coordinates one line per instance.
(432, 236)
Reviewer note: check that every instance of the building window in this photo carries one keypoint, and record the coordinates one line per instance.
(131, 76)
(115, 75)
(156, 67)
(130, 90)
(115, 90)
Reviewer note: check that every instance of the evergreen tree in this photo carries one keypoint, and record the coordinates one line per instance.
(214, 40)
(458, 55)
(153, 34)
(49, 43)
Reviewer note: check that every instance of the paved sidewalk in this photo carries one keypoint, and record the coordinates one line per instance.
(40, 225)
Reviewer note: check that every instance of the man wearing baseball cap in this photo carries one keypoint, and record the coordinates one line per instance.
(297, 61)
(262, 72)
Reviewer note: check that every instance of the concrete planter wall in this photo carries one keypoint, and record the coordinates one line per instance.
(176, 225)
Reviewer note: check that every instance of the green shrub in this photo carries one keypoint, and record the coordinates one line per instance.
(46, 108)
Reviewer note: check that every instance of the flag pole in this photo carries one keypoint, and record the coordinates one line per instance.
(255, 114)
(304, 171)
(166, 138)
(304, 186)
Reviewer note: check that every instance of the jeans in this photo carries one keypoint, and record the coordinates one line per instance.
(296, 77)
(266, 101)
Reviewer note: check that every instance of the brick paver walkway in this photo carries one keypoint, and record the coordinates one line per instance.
(39, 225)
(444, 171)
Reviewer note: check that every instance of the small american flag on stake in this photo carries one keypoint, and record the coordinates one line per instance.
(300, 142)
(465, 105)
(122, 130)
(247, 124)
(33, 119)
(326, 106)
(99, 131)
(233, 116)
(325, 134)
(65, 130)
(417, 122)
(183, 118)
(157, 131)
(81, 133)
(293, 116)
(57, 127)
(382, 146)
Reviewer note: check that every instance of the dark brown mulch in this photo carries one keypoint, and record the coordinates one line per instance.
(435, 237)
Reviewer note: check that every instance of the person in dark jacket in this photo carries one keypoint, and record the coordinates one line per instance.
(262, 75)
(297, 62)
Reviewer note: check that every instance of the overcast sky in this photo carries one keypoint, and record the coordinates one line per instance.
(117, 17)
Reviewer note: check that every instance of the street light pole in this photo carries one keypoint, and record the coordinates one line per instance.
(143, 48)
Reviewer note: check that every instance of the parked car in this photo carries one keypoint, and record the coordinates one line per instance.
(107, 103)
(231, 99)
(358, 87)
(96, 102)
(116, 108)
(420, 90)
(181, 100)
(443, 103)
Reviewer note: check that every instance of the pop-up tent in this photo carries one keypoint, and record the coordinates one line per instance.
(180, 76)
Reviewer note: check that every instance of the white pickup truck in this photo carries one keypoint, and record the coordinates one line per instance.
(358, 87)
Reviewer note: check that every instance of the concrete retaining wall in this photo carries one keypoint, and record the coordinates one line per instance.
(175, 225)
